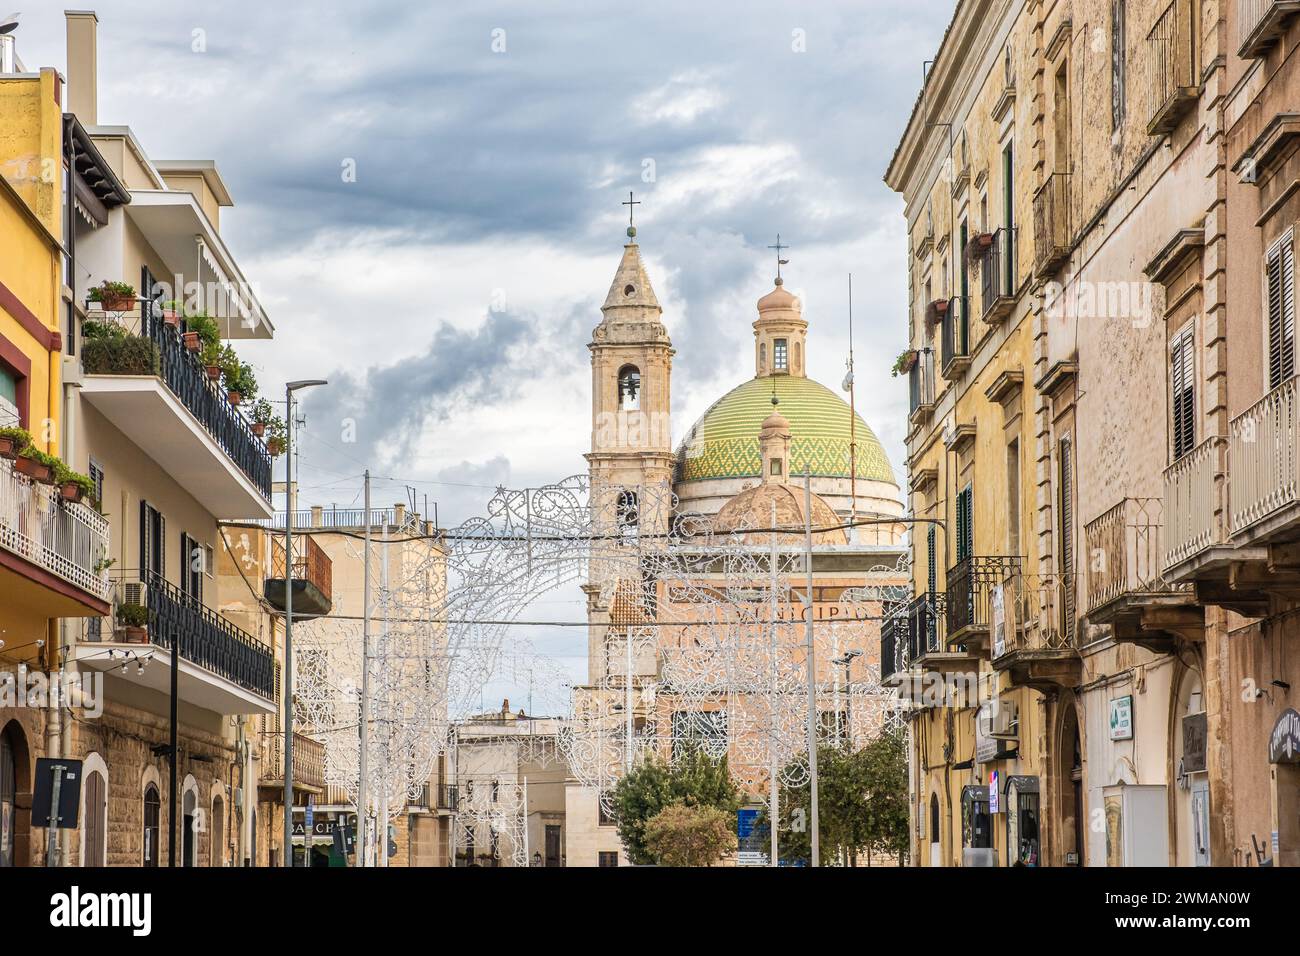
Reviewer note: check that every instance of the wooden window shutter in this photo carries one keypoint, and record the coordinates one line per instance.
(1182, 392)
(1280, 295)
(931, 557)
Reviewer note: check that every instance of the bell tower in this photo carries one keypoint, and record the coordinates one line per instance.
(631, 375)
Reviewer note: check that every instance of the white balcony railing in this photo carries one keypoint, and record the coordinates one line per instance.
(1262, 457)
(1190, 503)
(1123, 545)
(68, 540)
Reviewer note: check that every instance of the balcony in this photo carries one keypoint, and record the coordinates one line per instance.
(976, 598)
(921, 386)
(1125, 584)
(956, 338)
(308, 763)
(927, 618)
(1052, 230)
(1261, 23)
(158, 394)
(441, 796)
(997, 277)
(312, 578)
(1036, 641)
(222, 668)
(50, 550)
(1171, 61)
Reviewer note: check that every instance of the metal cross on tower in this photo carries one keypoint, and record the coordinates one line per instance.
(779, 261)
(631, 208)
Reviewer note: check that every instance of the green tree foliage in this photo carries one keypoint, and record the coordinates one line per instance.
(861, 801)
(681, 835)
(694, 780)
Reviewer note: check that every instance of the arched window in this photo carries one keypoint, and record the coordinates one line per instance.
(934, 818)
(780, 357)
(629, 517)
(629, 388)
(762, 357)
(152, 812)
(189, 829)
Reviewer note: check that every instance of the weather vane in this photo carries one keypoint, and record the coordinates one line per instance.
(779, 261)
(631, 208)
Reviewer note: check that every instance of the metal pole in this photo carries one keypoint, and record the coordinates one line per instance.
(52, 825)
(528, 860)
(385, 709)
(288, 629)
(627, 703)
(774, 786)
(172, 738)
(812, 667)
(363, 810)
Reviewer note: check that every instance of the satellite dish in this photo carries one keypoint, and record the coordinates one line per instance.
(9, 24)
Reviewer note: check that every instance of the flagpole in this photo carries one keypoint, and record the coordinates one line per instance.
(853, 430)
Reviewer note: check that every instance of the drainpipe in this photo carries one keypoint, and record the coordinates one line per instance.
(53, 737)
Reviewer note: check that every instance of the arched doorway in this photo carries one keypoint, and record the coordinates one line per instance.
(1191, 779)
(95, 791)
(936, 838)
(15, 779)
(152, 814)
(189, 848)
(1070, 777)
(217, 852)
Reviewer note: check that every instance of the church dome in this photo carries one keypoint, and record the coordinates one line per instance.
(751, 510)
(724, 442)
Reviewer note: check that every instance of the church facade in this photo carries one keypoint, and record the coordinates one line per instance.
(717, 518)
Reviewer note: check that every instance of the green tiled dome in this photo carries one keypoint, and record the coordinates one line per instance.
(724, 442)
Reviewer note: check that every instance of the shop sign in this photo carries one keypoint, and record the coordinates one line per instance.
(999, 620)
(995, 795)
(1284, 742)
(1121, 718)
(1196, 732)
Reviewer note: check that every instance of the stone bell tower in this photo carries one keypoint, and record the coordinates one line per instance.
(631, 375)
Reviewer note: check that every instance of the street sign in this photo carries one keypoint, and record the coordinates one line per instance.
(69, 792)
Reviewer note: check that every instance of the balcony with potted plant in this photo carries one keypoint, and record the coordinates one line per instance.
(172, 388)
(52, 542)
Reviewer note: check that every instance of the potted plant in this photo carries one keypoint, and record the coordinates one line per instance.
(201, 333)
(903, 364)
(113, 296)
(277, 437)
(260, 416)
(237, 377)
(73, 486)
(978, 246)
(12, 441)
(172, 312)
(133, 622)
(36, 465)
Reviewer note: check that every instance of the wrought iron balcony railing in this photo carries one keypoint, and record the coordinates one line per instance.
(1264, 458)
(66, 539)
(308, 760)
(187, 379)
(310, 564)
(1052, 228)
(1261, 22)
(997, 276)
(1190, 503)
(927, 625)
(1038, 615)
(1172, 64)
(972, 583)
(893, 642)
(204, 637)
(921, 384)
(1124, 551)
(956, 337)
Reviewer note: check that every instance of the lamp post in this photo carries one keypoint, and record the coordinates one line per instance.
(846, 661)
(287, 691)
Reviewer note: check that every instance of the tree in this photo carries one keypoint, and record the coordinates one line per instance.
(861, 803)
(695, 780)
(681, 835)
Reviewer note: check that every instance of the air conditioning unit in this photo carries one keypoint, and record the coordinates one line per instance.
(1000, 719)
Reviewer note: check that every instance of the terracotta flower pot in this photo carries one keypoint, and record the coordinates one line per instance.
(275, 446)
(71, 491)
(192, 341)
(118, 303)
(34, 470)
(171, 317)
(235, 397)
(8, 448)
(214, 372)
(133, 635)
(259, 429)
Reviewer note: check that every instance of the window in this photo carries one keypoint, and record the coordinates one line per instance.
(97, 479)
(192, 561)
(1013, 497)
(153, 548)
(217, 854)
(1009, 213)
(628, 515)
(208, 560)
(775, 467)
(780, 357)
(629, 388)
(9, 750)
(1065, 459)
(1182, 391)
(1061, 120)
(152, 807)
(762, 357)
(496, 790)
(607, 858)
(932, 571)
(1280, 297)
(702, 730)
(92, 854)
(934, 818)
(9, 417)
(1116, 64)
(965, 521)
(605, 815)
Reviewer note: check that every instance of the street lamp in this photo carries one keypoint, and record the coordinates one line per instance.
(845, 662)
(289, 389)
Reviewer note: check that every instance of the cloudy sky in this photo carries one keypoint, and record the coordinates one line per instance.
(448, 291)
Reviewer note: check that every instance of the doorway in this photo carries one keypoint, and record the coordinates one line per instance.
(1070, 773)
(552, 845)
(13, 781)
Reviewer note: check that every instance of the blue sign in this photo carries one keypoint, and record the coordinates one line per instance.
(745, 820)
